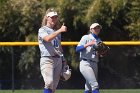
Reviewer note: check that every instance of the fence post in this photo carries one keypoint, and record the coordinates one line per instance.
(13, 84)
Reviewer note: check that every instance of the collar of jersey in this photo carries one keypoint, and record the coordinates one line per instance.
(95, 36)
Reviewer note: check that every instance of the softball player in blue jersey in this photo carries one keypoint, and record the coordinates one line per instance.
(89, 58)
(49, 38)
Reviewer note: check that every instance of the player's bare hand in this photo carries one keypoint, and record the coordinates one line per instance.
(63, 28)
(91, 43)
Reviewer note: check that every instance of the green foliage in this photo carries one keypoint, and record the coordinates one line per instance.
(2, 2)
(73, 58)
(19, 20)
(133, 20)
(29, 54)
(103, 10)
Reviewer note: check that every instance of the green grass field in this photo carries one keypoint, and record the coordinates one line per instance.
(75, 91)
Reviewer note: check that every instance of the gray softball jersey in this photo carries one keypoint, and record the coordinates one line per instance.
(88, 53)
(48, 48)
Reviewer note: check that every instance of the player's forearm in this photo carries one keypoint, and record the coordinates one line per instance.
(50, 37)
(79, 48)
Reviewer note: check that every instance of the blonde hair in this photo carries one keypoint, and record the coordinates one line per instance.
(44, 20)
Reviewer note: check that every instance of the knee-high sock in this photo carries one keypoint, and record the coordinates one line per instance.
(95, 91)
(47, 91)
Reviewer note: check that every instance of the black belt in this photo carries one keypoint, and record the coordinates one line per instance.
(56, 56)
(87, 60)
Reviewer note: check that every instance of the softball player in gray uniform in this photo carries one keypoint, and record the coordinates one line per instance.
(49, 39)
(89, 58)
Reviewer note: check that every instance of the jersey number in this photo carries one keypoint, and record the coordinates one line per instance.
(55, 43)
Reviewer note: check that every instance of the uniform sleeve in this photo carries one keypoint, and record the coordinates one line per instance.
(42, 33)
(83, 40)
(79, 48)
(81, 44)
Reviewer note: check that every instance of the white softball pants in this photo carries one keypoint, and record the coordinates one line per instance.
(50, 69)
(89, 70)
